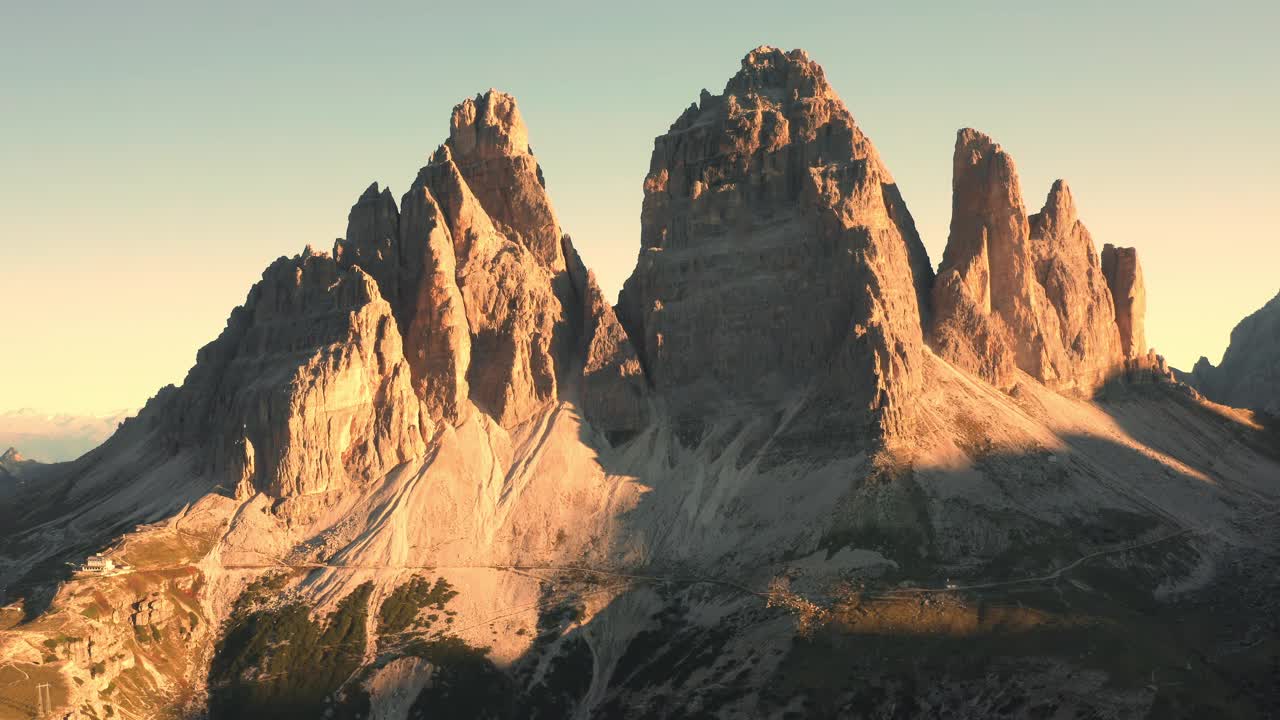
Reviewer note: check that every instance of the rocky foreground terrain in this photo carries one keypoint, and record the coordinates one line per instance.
(792, 473)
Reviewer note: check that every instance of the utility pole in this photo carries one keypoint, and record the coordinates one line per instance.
(44, 698)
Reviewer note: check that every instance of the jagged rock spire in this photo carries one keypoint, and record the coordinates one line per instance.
(1124, 277)
(489, 144)
(337, 369)
(491, 311)
(1067, 267)
(1021, 292)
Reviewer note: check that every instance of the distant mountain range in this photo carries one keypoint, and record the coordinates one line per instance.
(48, 437)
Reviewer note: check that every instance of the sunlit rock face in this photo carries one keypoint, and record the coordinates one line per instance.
(490, 146)
(1124, 277)
(495, 307)
(465, 298)
(776, 254)
(410, 255)
(1016, 291)
(1067, 267)
(307, 390)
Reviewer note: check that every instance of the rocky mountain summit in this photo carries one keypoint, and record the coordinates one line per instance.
(1249, 374)
(777, 256)
(339, 368)
(435, 473)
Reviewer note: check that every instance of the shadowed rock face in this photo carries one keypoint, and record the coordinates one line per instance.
(1249, 375)
(1021, 292)
(776, 252)
(613, 390)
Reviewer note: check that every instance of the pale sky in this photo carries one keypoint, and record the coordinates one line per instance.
(156, 156)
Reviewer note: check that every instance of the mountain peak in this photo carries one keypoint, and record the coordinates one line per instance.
(774, 181)
(1060, 202)
(767, 69)
(488, 124)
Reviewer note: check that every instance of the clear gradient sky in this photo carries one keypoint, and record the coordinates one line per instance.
(155, 156)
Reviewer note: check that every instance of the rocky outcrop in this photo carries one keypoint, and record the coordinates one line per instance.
(965, 331)
(988, 264)
(1124, 277)
(1249, 375)
(154, 609)
(307, 389)
(1016, 291)
(776, 254)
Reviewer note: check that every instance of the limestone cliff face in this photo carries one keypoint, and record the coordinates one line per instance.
(1249, 375)
(1016, 291)
(490, 145)
(483, 293)
(467, 297)
(965, 331)
(1067, 267)
(519, 327)
(776, 252)
(425, 409)
(1124, 277)
(437, 336)
(307, 389)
